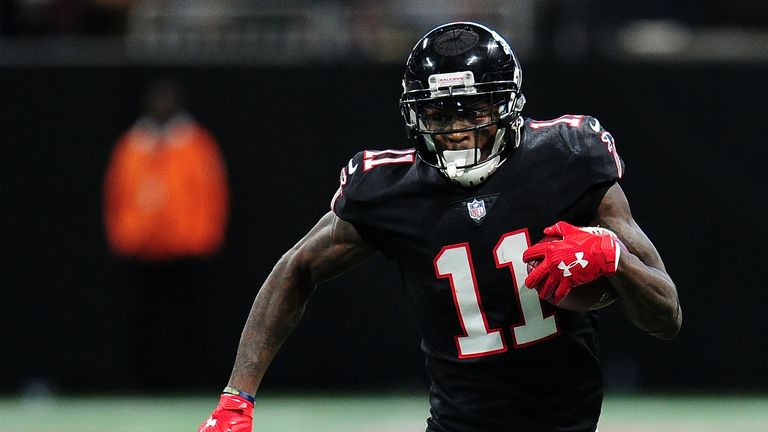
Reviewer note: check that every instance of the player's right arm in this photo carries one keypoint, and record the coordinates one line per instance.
(331, 248)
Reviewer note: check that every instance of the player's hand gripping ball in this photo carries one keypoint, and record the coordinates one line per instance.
(568, 267)
(233, 414)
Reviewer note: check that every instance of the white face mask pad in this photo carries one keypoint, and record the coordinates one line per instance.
(466, 168)
(456, 161)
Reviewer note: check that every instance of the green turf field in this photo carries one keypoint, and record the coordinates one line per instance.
(358, 414)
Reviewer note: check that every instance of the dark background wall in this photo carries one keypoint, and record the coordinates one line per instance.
(692, 137)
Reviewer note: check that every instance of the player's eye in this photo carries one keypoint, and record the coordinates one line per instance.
(436, 118)
(479, 116)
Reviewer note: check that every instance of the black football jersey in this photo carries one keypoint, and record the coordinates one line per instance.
(498, 358)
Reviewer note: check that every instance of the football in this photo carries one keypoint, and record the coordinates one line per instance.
(590, 296)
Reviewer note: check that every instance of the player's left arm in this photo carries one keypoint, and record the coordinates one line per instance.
(646, 292)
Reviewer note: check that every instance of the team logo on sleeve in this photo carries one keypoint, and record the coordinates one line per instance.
(595, 125)
(351, 168)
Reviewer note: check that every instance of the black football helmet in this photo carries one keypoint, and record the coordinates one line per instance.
(468, 70)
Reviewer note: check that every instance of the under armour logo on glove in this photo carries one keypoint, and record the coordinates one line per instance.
(597, 252)
(566, 268)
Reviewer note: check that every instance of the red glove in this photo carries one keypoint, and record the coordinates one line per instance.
(234, 414)
(580, 256)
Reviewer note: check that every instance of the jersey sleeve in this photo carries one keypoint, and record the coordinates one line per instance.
(346, 202)
(596, 167)
(367, 194)
(596, 149)
(576, 158)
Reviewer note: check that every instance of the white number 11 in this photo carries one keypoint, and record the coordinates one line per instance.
(454, 262)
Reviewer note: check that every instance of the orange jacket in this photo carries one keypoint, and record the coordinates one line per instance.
(166, 192)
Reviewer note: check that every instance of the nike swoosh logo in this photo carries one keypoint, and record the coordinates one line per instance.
(595, 126)
(351, 168)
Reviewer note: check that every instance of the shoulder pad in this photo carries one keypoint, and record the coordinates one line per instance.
(585, 138)
(364, 175)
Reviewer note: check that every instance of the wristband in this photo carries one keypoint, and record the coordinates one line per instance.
(245, 395)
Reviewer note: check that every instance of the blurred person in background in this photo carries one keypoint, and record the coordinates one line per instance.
(165, 211)
(507, 348)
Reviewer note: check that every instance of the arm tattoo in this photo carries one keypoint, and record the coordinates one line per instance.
(329, 249)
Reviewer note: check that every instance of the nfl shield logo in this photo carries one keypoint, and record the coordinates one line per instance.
(476, 209)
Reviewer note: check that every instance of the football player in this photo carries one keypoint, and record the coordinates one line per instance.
(462, 213)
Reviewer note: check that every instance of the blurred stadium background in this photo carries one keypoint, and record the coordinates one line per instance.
(292, 89)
